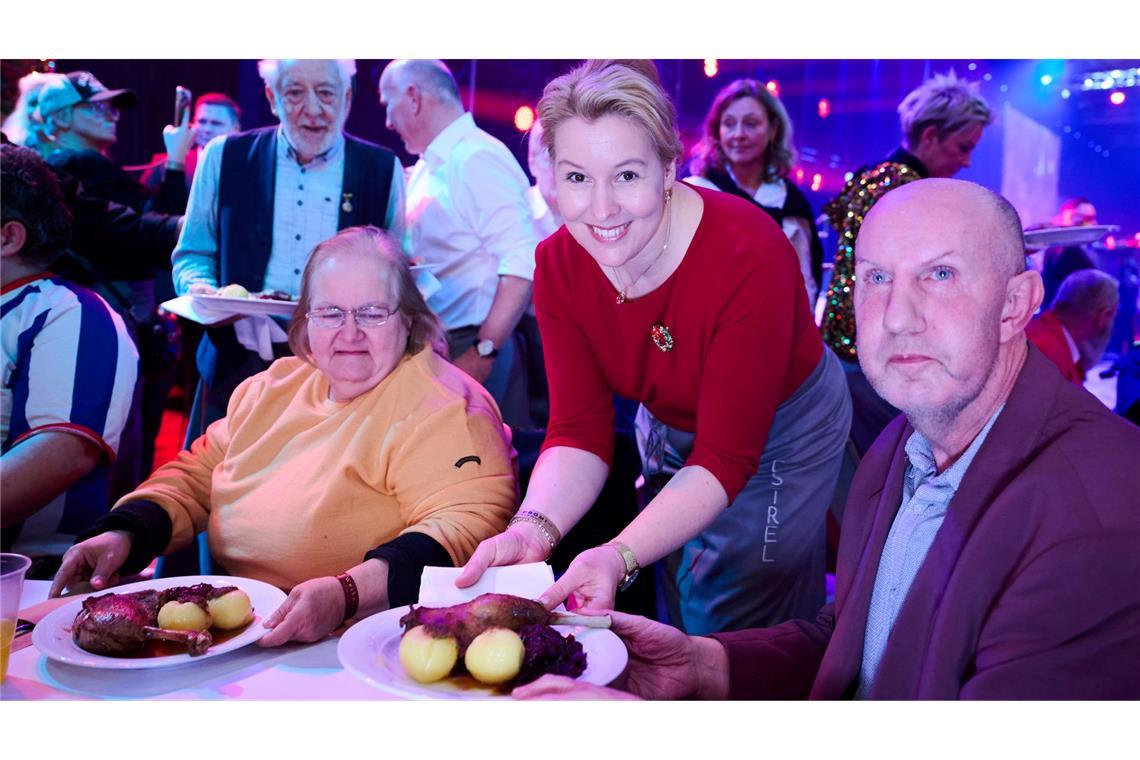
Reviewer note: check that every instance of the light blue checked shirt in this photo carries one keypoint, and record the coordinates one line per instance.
(926, 498)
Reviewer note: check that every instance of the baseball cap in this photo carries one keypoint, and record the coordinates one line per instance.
(78, 87)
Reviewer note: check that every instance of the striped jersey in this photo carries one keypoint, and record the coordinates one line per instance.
(68, 365)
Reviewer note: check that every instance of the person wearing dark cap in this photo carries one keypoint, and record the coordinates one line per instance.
(79, 113)
(78, 120)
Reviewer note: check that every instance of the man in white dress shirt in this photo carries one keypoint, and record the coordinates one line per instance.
(467, 219)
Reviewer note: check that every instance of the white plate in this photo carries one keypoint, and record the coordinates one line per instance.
(1047, 236)
(246, 306)
(370, 650)
(52, 635)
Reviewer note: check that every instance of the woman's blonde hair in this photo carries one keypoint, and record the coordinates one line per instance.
(626, 88)
(946, 102)
(424, 327)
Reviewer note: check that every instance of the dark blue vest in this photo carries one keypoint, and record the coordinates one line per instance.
(245, 224)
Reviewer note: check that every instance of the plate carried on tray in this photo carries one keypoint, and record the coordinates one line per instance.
(52, 636)
(370, 650)
(247, 306)
(1048, 236)
(210, 310)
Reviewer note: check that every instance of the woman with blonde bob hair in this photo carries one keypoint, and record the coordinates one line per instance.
(747, 150)
(689, 301)
(337, 474)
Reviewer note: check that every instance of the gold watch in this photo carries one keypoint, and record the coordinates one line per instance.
(632, 568)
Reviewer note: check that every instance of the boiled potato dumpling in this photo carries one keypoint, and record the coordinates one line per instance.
(495, 656)
(183, 616)
(230, 610)
(233, 291)
(426, 658)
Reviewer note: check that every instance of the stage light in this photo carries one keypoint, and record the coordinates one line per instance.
(524, 118)
(710, 67)
(1116, 98)
(1046, 80)
(773, 87)
(847, 176)
(972, 66)
(824, 108)
(1111, 80)
(1110, 243)
(800, 176)
(816, 181)
(1065, 93)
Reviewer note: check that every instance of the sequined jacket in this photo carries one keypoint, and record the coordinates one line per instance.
(846, 214)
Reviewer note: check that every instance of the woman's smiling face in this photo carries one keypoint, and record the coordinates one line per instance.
(611, 188)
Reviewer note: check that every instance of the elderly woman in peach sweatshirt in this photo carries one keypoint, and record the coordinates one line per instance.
(337, 474)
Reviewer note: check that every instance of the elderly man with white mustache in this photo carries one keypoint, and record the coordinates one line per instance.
(262, 199)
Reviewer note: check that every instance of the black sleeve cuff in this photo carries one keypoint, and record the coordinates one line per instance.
(407, 555)
(150, 528)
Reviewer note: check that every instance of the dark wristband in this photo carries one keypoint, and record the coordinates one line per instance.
(351, 595)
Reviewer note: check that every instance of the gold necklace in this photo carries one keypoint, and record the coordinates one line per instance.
(623, 293)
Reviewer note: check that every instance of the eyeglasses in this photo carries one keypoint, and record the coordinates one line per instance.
(104, 108)
(332, 317)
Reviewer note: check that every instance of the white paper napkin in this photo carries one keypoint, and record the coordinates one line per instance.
(193, 309)
(259, 334)
(438, 589)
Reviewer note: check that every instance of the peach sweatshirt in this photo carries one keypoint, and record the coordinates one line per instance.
(292, 485)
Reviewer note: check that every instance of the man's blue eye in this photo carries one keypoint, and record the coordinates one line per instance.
(943, 273)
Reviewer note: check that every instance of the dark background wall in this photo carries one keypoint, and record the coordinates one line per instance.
(1103, 163)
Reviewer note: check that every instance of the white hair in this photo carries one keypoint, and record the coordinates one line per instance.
(270, 70)
(21, 125)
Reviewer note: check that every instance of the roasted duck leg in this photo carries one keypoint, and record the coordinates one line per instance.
(118, 624)
(468, 620)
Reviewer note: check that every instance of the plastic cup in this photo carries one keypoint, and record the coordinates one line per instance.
(12, 570)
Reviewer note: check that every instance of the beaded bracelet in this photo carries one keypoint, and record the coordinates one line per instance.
(351, 595)
(544, 524)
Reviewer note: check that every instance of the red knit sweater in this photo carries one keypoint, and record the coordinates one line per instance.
(743, 340)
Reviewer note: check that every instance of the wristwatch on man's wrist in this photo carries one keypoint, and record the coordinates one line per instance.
(632, 568)
(485, 347)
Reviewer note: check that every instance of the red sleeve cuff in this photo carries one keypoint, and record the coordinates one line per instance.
(732, 479)
(604, 450)
(80, 430)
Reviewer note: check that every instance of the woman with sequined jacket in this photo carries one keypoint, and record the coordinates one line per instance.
(942, 121)
(691, 302)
